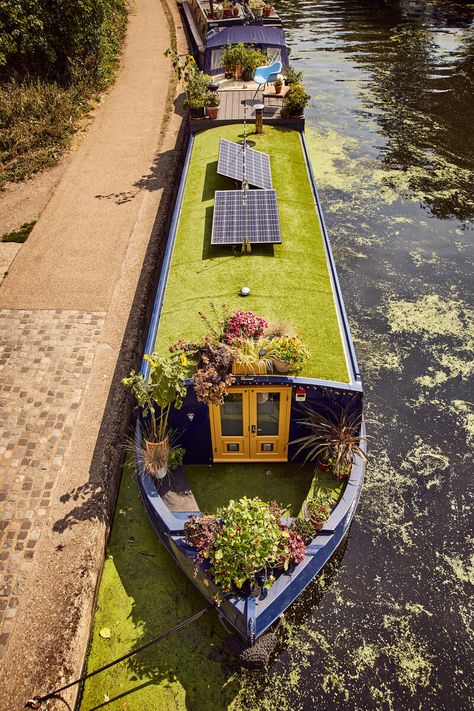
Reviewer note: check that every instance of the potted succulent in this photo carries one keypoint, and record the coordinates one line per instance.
(333, 437)
(295, 100)
(289, 353)
(257, 7)
(278, 84)
(213, 101)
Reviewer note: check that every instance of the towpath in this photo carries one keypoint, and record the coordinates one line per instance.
(73, 306)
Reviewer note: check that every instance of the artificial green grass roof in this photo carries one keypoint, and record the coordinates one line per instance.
(288, 282)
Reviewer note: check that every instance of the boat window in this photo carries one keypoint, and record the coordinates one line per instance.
(231, 416)
(268, 413)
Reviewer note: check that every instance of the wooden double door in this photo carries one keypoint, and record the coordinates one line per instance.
(252, 425)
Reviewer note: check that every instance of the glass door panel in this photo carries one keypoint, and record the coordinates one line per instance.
(230, 428)
(269, 414)
(232, 424)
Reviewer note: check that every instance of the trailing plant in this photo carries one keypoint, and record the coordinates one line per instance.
(333, 433)
(244, 324)
(214, 360)
(292, 350)
(201, 531)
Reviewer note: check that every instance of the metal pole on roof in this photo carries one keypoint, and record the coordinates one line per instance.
(245, 185)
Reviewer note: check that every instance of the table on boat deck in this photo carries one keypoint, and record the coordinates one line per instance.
(273, 100)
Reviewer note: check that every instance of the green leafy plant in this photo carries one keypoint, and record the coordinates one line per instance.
(248, 541)
(295, 100)
(334, 434)
(233, 55)
(292, 76)
(304, 528)
(175, 457)
(292, 350)
(278, 81)
(212, 98)
(164, 388)
(253, 58)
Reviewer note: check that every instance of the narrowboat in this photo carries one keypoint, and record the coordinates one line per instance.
(248, 240)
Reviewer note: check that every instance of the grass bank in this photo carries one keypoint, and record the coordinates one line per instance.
(53, 62)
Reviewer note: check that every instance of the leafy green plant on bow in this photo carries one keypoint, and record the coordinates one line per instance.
(248, 540)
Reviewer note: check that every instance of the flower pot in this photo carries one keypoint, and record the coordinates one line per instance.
(238, 72)
(324, 466)
(267, 10)
(258, 12)
(235, 11)
(227, 12)
(153, 446)
(244, 369)
(246, 75)
(212, 112)
(228, 72)
(198, 113)
(278, 88)
(280, 366)
(318, 524)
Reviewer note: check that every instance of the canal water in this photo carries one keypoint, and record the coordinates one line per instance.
(388, 624)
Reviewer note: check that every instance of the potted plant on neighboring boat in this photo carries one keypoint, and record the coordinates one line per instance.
(235, 10)
(267, 10)
(289, 354)
(278, 84)
(333, 437)
(165, 388)
(257, 7)
(213, 101)
(233, 56)
(227, 8)
(295, 101)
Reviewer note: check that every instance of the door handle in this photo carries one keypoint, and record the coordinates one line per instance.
(254, 429)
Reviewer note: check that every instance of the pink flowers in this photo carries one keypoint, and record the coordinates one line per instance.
(244, 324)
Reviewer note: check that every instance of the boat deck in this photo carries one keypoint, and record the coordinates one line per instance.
(289, 281)
(232, 110)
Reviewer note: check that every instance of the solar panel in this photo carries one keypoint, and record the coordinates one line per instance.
(256, 220)
(257, 164)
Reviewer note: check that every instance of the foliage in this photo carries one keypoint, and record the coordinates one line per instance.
(333, 435)
(212, 377)
(233, 55)
(294, 549)
(253, 58)
(318, 510)
(304, 528)
(61, 41)
(212, 98)
(217, 320)
(201, 530)
(256, 4)
(175, 457)
(184, 68)
(278, 81)
(291, 350)
(244, 325)
(280, 329)
(292, 76)
(192, 79)
(247, 541)
(254, 354)
(295, 99)
(165, 387)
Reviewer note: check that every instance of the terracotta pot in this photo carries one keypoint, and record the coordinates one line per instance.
(278, 88)
(153, 446)
(280, 366)
(324, 466)
(212, 112)
(267, 10)
(238, 72)
(235, 11)
(318, 524)
(227, 12)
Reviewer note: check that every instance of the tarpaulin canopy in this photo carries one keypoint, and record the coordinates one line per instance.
(261, 36)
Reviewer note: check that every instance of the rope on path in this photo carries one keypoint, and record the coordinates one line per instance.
(37, 701)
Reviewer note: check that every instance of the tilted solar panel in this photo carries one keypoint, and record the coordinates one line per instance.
(250, 215)
(257, 164)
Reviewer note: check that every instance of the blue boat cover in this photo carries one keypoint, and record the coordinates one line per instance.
(259, 35)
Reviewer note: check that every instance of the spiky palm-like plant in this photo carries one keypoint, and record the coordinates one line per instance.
(333, 434)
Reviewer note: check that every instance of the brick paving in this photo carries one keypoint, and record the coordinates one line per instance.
(46, 359)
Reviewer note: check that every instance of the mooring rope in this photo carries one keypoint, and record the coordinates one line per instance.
(36, 701)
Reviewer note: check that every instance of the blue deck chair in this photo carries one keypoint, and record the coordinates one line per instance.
(264, 75)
